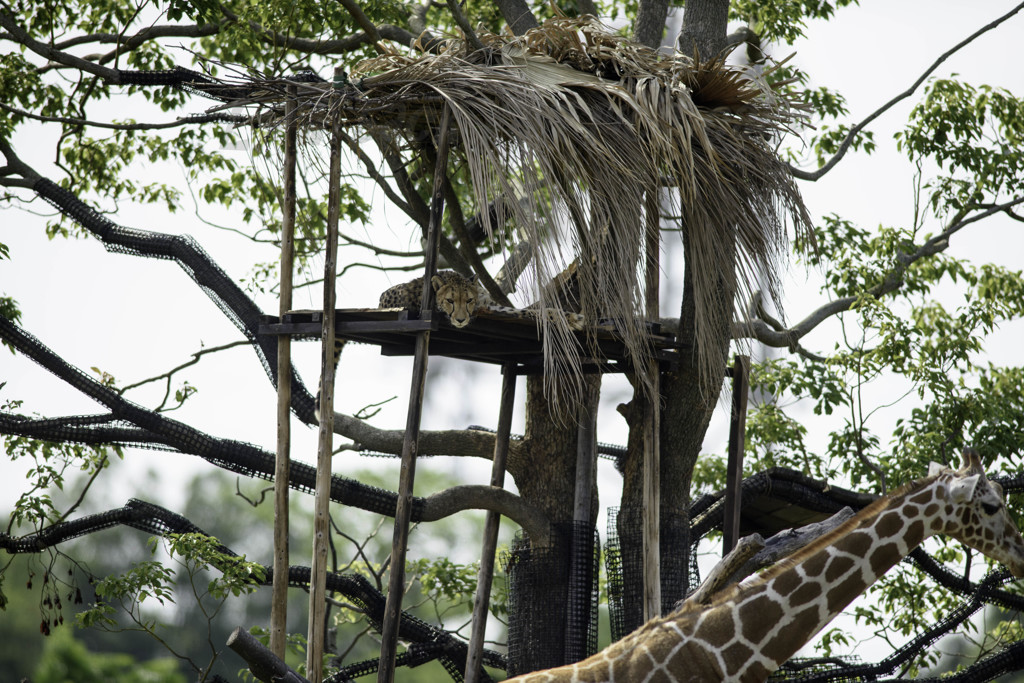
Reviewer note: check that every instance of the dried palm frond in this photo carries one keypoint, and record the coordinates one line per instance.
(586, 124)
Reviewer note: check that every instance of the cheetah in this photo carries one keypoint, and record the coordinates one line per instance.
(459, 298)
(455, 295)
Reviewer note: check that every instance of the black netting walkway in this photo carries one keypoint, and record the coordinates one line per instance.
(426, 642)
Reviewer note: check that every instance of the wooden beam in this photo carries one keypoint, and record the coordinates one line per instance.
(485, 576)
(282, 463)
(737, 439)
(410, 445)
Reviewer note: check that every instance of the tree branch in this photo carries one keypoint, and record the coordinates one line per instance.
(114, 126)
(777, 337)
(464, 25)
(844, 147)
(477, 497)
(454, 442)
(51, 53)
(517, 15)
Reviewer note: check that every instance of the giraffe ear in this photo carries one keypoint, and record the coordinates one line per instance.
(962, 488)
(934, 468)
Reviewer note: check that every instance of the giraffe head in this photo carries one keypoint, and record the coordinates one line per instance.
(977, 515)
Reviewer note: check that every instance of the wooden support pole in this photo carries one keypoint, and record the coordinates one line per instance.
(485, 576)
(321, 510)
(652, 422)
(581, 557)
(282, 465)
(737, 439)
(410, 445)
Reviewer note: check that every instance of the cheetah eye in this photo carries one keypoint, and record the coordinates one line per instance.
(991, 508)
(450, 300)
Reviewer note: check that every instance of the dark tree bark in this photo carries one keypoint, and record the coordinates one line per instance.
(704, 27)
(687, 402)
(650, 23)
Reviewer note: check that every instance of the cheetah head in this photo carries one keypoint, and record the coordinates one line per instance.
(456, 297)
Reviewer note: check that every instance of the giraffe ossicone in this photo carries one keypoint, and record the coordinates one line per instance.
(750, 629)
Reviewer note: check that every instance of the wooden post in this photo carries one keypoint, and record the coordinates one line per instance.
(582, 549)
(282, 465)
(321, 527)
(486, 574)
(403, 510)
(737, 438)
(652, 422)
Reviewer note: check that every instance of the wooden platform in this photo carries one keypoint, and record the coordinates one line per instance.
(491, 337)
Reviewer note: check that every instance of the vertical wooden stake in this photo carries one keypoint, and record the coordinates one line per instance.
(582, 549)
(652, 449)
(321, 527)
(410, 445)
(282, 466)
(486, 574)
(737, 439)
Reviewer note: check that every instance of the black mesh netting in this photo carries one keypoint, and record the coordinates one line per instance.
(184, 250)
(790, 487)
(425, 642)
(553, 593)
(624, 567)
(131, 425)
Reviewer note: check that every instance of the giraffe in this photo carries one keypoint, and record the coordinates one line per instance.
(750, 629)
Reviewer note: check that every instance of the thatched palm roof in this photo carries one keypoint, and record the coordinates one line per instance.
(584, 124)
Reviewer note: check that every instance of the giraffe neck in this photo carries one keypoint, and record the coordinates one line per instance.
(753, 628)
(762, 624)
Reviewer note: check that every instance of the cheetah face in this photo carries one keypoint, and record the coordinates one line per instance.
(456, 298)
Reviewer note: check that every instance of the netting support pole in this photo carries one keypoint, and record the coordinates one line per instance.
(410, 445)
(282, 465)
(321, 508)
(737, 439)
(577, 622)
(485, 576)
(652, 421)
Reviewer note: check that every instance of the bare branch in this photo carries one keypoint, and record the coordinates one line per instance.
(170, 373)
(459, 498)
(464, 25)
(111, 126)
(455, 442)
(848, 140)
(774, 336)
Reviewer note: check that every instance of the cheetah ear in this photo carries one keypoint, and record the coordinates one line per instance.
(962, 488)
(437, 282)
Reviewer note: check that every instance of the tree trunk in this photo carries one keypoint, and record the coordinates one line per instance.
(545, 477)
(704, 27)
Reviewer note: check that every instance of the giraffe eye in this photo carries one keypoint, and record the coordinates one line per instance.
(991, 508)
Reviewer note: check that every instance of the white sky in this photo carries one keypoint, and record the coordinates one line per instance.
(135, 318)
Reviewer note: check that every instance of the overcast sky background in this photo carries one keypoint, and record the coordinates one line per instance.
(135, 318)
